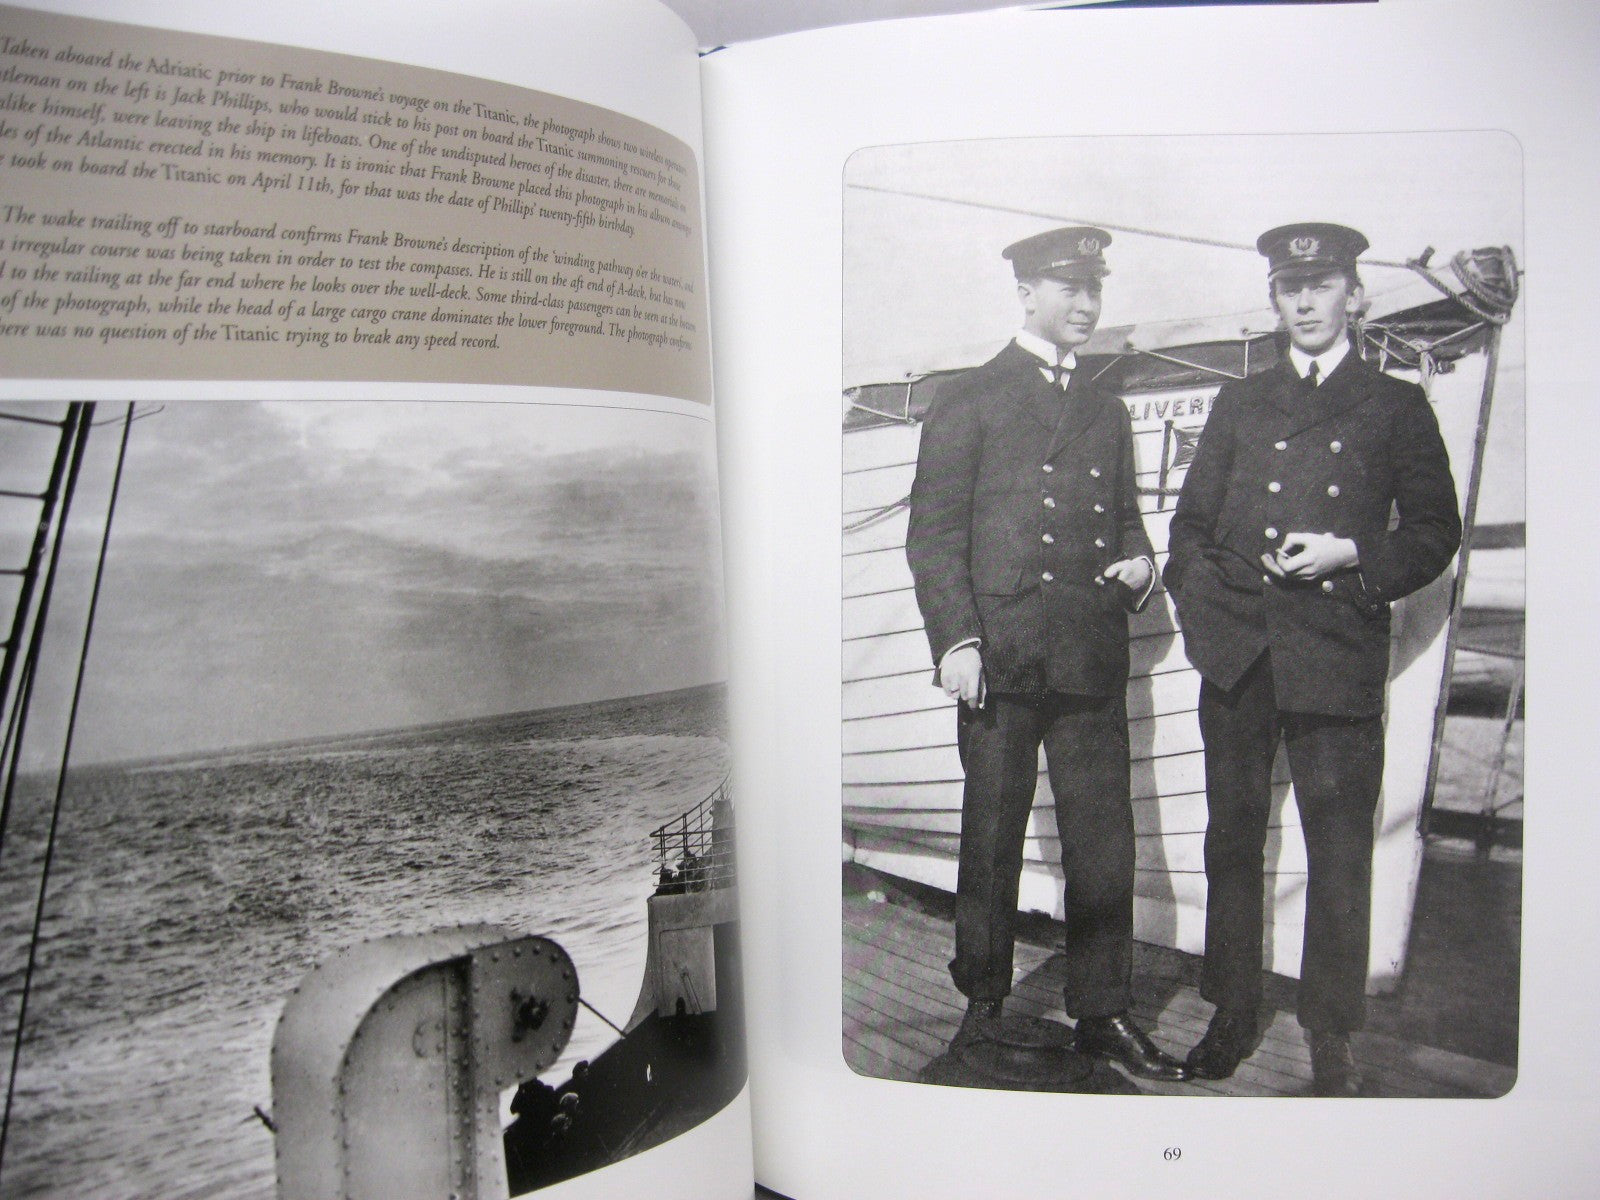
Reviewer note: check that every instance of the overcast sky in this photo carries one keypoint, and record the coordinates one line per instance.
(291, 569)
(924, 283)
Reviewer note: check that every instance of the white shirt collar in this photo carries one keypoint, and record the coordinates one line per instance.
(1326, 361)
(1046, 351)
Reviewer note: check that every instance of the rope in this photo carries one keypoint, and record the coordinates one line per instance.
(72, 723)
(1500, 294)
(1483, 302)
(898, 418)
(878, 514)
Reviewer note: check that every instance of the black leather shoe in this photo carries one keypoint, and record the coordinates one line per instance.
(980, 1018)
(1228, 1041)
(1333, 1067)
(1119, 1039)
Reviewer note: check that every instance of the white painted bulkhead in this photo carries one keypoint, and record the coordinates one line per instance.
(902, 779)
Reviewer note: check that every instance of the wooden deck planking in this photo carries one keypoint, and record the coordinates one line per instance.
(901, 1010)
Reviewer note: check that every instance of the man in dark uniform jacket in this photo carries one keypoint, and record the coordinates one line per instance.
(1284, 560)
(1028, 551)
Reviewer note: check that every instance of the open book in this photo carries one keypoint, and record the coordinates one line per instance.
(406, 631)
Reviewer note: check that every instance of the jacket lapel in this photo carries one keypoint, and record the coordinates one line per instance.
(1077, 412)
(1345, 388)
(1031, 390)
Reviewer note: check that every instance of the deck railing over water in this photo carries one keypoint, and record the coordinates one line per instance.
(694, 852)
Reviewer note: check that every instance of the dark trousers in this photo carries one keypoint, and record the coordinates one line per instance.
(1085, 741)
(1337, 767)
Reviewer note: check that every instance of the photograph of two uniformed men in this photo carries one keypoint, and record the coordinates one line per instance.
(1320, 492)
(1028, 552)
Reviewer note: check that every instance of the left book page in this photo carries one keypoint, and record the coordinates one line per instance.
(365, 749)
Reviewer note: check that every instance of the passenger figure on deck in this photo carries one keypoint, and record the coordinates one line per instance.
(1028, 552)
(1283, 564)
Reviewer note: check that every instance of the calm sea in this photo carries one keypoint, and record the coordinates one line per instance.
(188, 897)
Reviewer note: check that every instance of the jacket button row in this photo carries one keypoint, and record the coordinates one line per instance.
(1274, 486)
(1280, 445)
(1094, 472)
(1327, 585)
(1099, 543)
(1049, 501)
(1099, 508)
(1047, 577)
(1050, 539)
(1336, 446)
(1333, 490)
(1271, 533)
(1048, 468)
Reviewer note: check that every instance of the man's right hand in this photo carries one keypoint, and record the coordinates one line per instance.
(961, 676)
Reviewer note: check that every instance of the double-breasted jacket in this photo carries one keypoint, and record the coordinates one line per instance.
(1024, 494)
(1359, 456)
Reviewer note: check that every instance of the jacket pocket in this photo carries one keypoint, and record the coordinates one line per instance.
(998, 577)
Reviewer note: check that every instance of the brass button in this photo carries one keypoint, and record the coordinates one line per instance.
(1327, 585)
(1272, 533)
(1099, 508)
(1048, 468)
(1333, 489)
(1050, 539)
(1280, 445)
(1094, 472)
(1100, 579)
(1274, 486)
(1047, 577)
(1336, 446)
(1100, 543)
(1049, 501)
(1266, 579)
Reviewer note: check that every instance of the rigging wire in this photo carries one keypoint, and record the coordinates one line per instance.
(1142, 231)
(73, 430)
(142, 414)
(602, 1016)
(72, 721)
(1488, 298)
(12, 734)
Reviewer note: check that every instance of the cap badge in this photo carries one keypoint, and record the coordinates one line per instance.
(1303, 247)
(1089, 245)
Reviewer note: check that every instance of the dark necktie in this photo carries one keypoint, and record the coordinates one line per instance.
(1311, 378)
(1059, 375)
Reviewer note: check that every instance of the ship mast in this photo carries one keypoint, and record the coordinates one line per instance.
(36, 578)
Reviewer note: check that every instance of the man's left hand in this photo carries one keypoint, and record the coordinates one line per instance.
(1133, 572)
(1311, 556)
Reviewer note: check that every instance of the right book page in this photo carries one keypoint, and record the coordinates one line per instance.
(1176, 137)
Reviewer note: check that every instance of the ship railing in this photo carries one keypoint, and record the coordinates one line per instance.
(693, 852)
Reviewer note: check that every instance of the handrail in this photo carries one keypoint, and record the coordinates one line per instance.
(694, 851)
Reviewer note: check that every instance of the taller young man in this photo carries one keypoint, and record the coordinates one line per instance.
(1284, 561)
(1028, 551)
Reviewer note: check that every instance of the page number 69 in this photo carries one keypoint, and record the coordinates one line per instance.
(1172, 1153)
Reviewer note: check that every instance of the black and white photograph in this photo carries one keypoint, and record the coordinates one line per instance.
(364, 759)
(1183, 609)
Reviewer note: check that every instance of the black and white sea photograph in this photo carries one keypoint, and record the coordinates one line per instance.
(1183, 526)
(357, 671)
